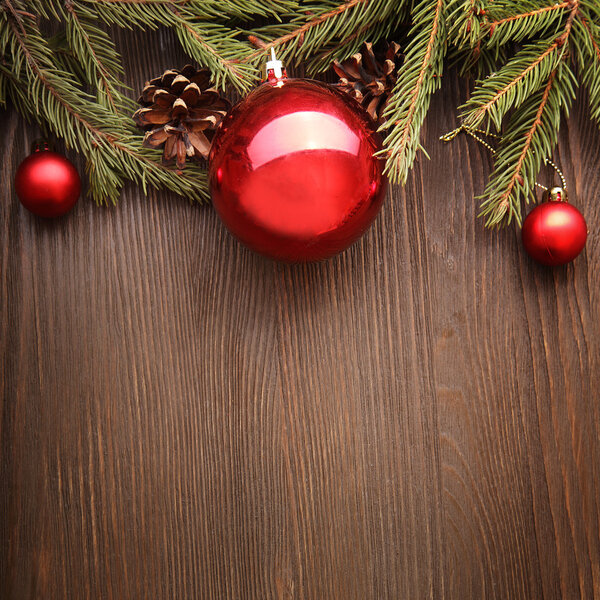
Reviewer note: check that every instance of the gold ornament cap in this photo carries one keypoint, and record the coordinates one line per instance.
(557, 194)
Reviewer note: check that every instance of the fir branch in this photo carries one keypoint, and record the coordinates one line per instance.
(522, 76)
(98, 57)
(217, 48)
(418, 79)
(202, 27)
(529, 139)
(592, 39)
(590, 11)
(322, 33)
(43, 9)
(464, 24)
(151, 13)
(587, 37)
(140, 2)
(528, 15)
(300, 32)
(574, 4)
(502, 204)
(518, 26)
(466, 33)
(241, 7)
(538, 84)
(478, 61)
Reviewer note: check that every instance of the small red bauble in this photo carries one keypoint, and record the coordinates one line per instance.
(554, 232)
(47, 184)
(292, 171)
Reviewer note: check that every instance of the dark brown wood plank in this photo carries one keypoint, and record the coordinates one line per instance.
(516, 364)
(417, 418)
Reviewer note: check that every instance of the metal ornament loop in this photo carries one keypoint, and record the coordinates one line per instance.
(476, 133)
(557, 194)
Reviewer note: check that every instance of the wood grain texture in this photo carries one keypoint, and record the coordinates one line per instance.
(416, 418)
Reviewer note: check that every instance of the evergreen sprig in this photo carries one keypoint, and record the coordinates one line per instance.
(418, 79)
(509, 22)
(529, 138)
(515, 82)
(319, 33)
(529, 57)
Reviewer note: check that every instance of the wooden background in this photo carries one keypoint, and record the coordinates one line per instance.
(417, 418)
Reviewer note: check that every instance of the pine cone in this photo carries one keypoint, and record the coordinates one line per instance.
(181, 111)
(369, 78)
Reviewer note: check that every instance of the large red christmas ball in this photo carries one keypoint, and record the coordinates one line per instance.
(292, 171)
(554, 233)
(47, 184)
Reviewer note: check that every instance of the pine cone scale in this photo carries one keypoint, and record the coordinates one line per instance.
(179, 110)
(170, 149)
(147, 116)
(191, 94)
(199, 141)
(204, 114)
(163, 98)
(155, 138)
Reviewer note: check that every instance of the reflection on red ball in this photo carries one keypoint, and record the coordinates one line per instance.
(47, 184)
(292, 171)
(554, 233)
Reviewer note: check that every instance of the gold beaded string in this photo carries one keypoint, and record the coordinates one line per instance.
(473, 132)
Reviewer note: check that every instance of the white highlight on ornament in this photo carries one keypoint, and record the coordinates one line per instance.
(275, 64)
(298, 132)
